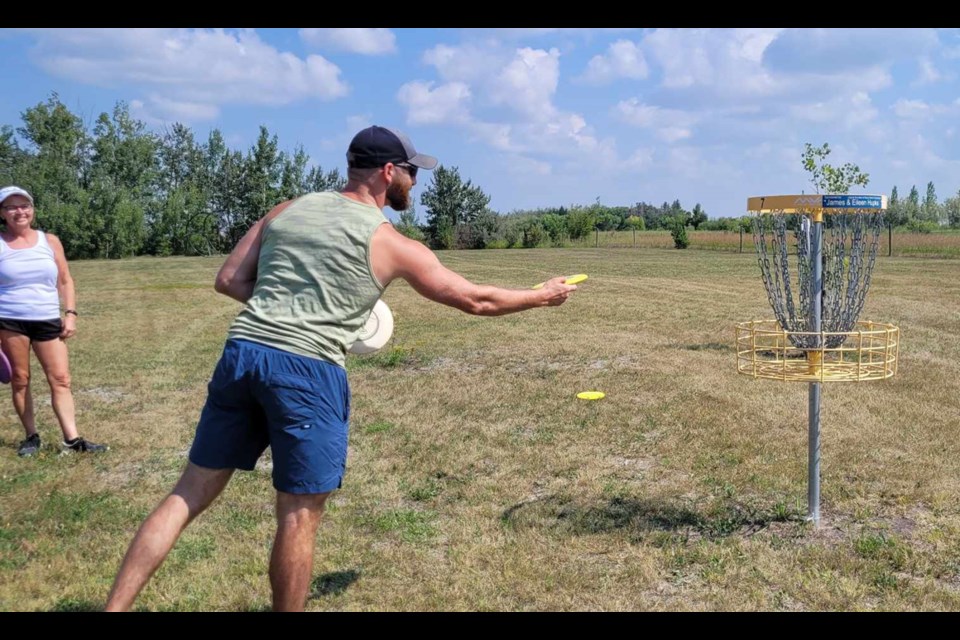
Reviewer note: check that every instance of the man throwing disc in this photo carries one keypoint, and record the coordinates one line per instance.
(309, 273)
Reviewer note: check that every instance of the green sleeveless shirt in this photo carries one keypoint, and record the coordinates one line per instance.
(315, 286)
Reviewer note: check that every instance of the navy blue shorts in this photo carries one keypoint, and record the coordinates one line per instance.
(262, 396)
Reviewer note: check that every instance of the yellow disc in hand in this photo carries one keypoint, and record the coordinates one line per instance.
(577, 279)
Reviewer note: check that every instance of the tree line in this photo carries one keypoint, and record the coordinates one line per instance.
(117, 189)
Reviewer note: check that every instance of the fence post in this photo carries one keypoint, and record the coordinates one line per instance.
(741, 238)
(890, 239)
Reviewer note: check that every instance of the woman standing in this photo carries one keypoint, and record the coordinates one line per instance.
(33, 277)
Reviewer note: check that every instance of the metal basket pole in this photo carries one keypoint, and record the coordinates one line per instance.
(816, 313)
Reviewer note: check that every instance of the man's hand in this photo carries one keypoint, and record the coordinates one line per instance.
(557, 291)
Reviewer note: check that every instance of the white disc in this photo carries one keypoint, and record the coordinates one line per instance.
(376, 332)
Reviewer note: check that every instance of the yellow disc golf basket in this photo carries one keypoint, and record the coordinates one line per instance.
(816, 255)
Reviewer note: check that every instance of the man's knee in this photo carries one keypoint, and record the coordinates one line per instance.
(198, 487)
(299, 510)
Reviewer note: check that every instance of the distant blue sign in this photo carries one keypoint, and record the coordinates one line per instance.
(852, 202)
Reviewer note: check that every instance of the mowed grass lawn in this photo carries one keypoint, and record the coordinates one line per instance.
(478, 481)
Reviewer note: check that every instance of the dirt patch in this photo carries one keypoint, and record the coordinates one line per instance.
(103, 394)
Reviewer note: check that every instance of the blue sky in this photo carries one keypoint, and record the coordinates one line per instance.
(539, 117)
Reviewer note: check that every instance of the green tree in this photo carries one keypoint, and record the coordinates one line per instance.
(408, 224)
(12, 158)
(260, 180)
(317, 180)
(828, 179)
(698, 216)
(952, 210)
(894, 215)
(533, 233)
(606, 218)
(181, 220)
(556, 227)
(450, 202)
(223, 169)
(931, 209)
(479, 232)
(55, 172)
(123, 181)
(678, 231)
(676, 209)
(911, 208)
(580, 222)
(294, 176)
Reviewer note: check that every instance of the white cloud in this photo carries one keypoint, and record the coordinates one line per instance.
(359, 121)
(337, 141)
(518, 85)
(841, 51)
(190, 71)
(928, 72)
(521, 33)
(523, 79)
(640, 160)
(495, 135)
(926, 164)
(448, 103)
(522, 165)
(564, 137)
(670, 125)
(727, 61)
(369, 42)
(527, 83)
(697, 164)
(623, 59)
(470, 63)
(684, 60)
(159, 110)
(904, 108)
(848, 111)
(736, 66)
(932, 114)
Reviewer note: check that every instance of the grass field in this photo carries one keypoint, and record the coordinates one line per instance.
(477, 481)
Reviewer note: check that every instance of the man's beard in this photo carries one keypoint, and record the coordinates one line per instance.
(398, 197)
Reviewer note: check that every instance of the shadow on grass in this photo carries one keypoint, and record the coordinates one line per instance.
(333, 583)
(74, 605)
(328, 584)
(709, 346)
(643, 516)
